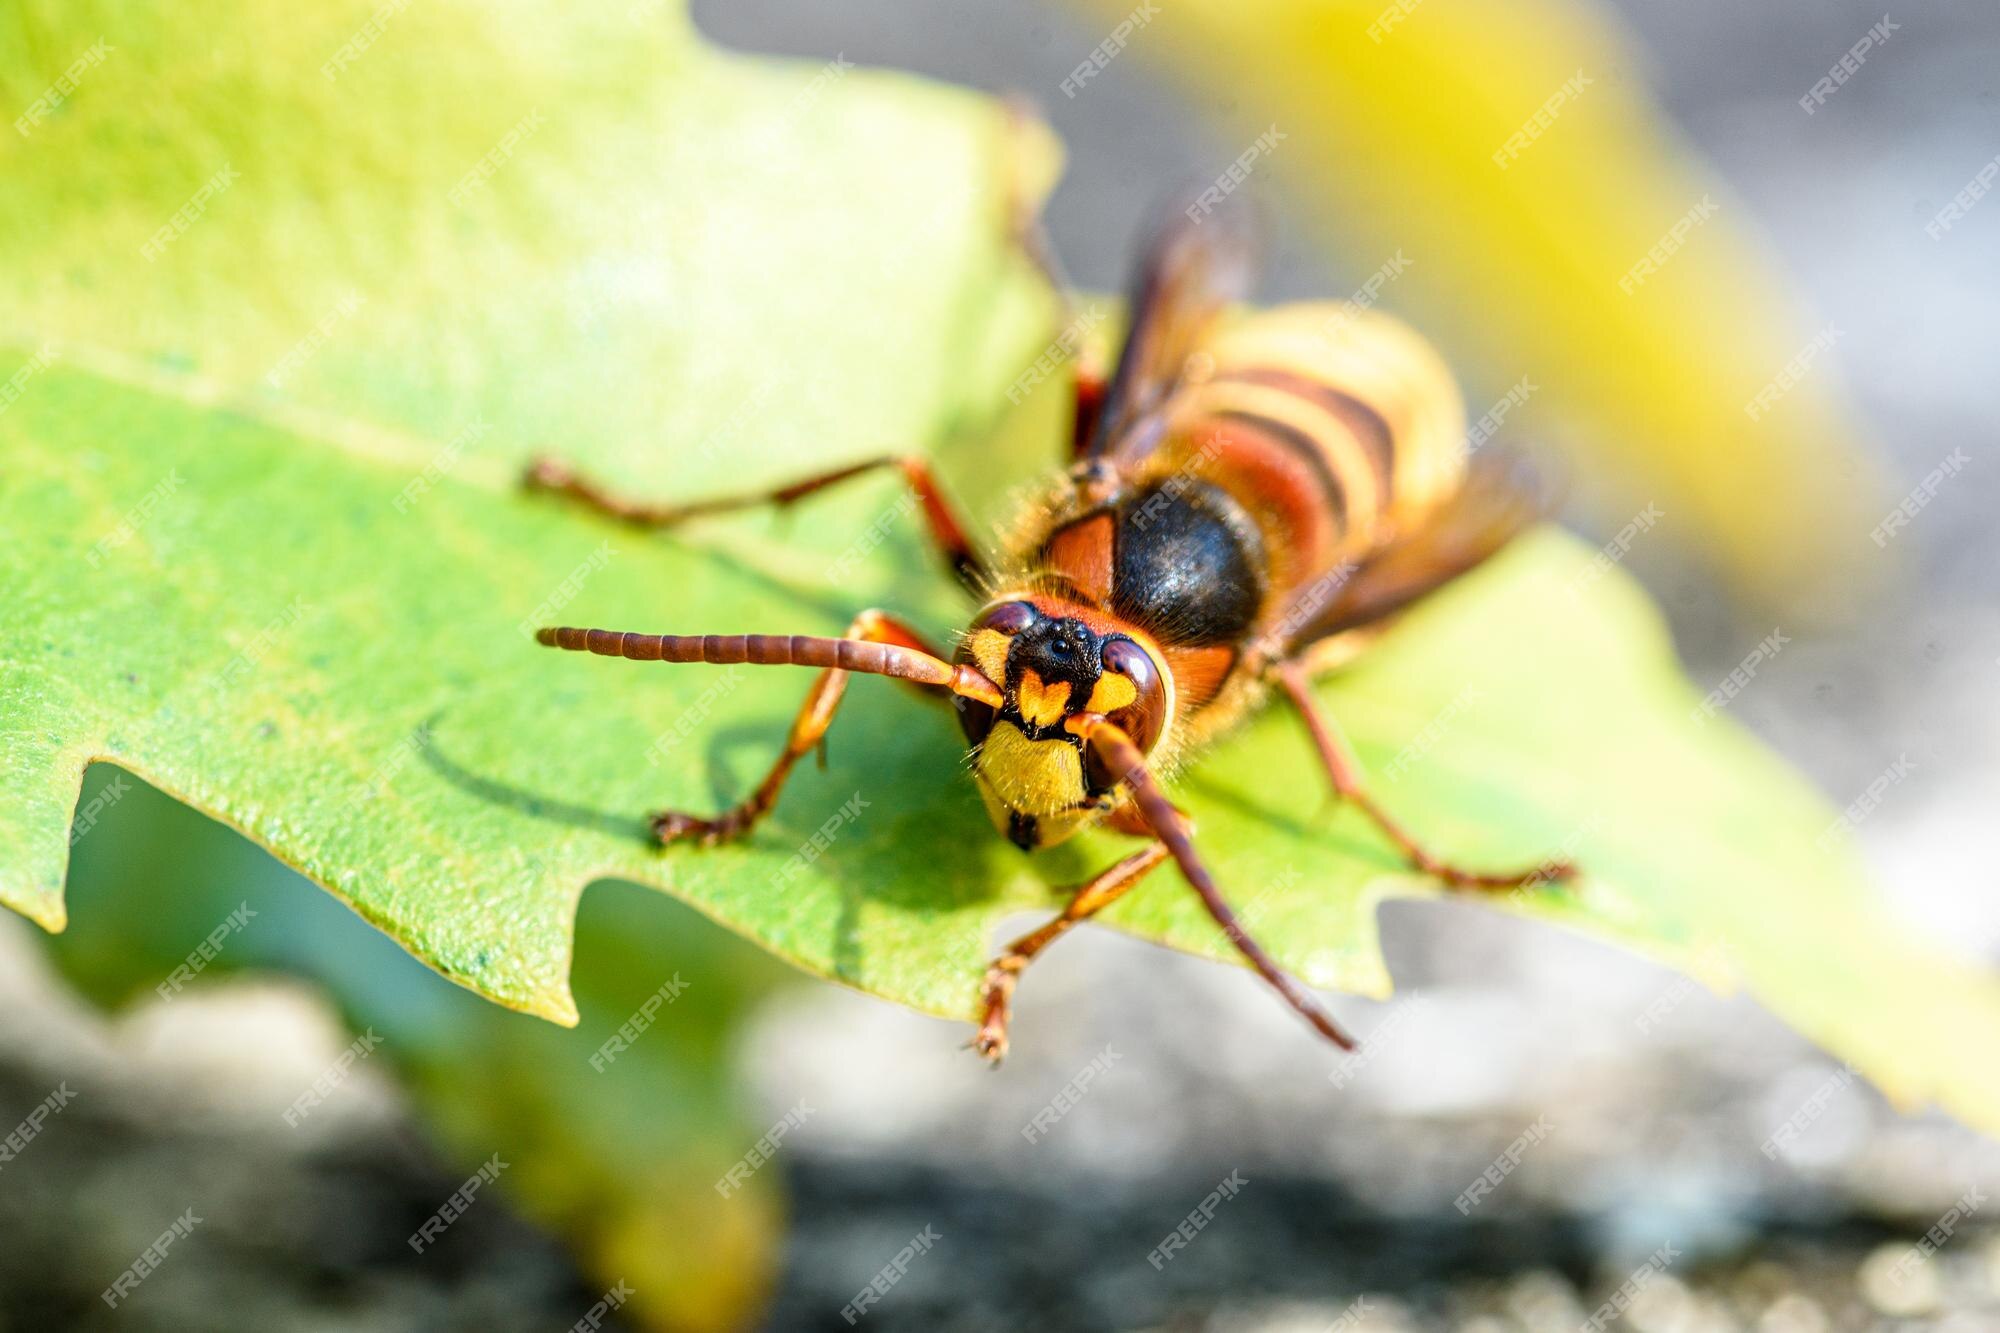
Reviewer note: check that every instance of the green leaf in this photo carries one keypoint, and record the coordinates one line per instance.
(500, 230)
(271, 583)
(288, 635)
(492, 234)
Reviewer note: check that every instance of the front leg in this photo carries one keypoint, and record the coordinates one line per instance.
(1171, 827)
(1004, 974)
(808, 730)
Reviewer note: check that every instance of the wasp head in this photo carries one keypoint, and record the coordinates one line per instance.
(1053, 661)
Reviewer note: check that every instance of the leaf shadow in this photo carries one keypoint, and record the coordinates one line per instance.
(920, 844)
(519, 799)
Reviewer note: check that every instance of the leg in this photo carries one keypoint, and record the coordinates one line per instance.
(1341, 768)
(998, 992)
(556, 476)
(1026, 124)
(1031, 236)
(1090, 387)
(1071, 334)
(808, 733)
(1172, 828)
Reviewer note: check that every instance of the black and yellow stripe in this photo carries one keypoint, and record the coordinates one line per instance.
(1367, 403)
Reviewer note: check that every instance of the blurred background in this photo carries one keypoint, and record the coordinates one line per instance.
(1641, 1109)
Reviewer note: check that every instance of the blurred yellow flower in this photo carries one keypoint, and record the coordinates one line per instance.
(1503, 176)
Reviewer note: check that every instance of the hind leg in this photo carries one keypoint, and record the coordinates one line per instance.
(1345, 775)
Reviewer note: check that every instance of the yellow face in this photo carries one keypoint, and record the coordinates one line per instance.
(1038, 780)
(1033, 789)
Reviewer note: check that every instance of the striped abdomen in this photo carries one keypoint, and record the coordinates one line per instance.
(1327, 424)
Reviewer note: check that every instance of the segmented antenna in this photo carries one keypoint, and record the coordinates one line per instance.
(875, 659)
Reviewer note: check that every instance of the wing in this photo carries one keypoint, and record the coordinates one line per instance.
(1501, 497)
(1194, 267)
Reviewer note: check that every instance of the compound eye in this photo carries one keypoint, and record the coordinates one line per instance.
(1009, 618)
(1142, 716)
(1134, 663)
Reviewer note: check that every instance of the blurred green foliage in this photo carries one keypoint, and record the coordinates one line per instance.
(617, 1148)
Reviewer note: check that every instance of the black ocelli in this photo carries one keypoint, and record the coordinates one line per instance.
(1058, 650)
(1188, 564)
